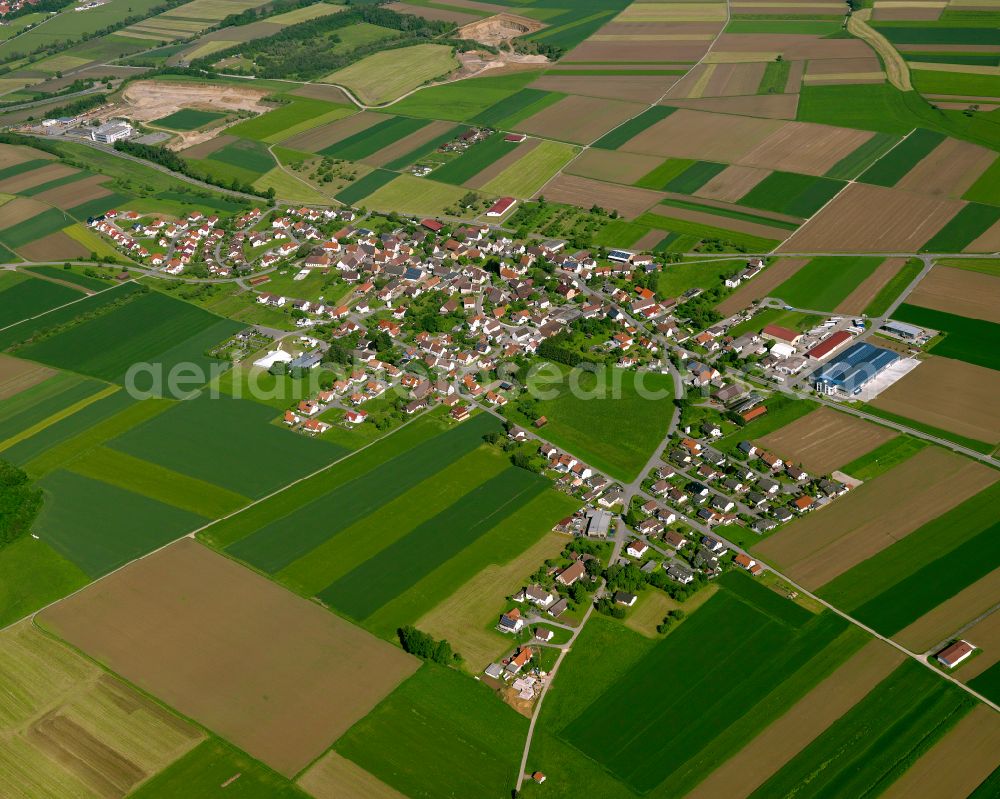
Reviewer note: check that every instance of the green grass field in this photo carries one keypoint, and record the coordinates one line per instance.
(35, 228)
(824, 282)
(360, 145)
(890, 590)
(32, 575)
(42, 404)
(852, 165)
(201, 772)
(408, 194)
(187, 119)
(610, 424)
(964, 228)
(971, 340)
(385, 76)
(881, 459)
(227, 442)
(426, 149)
(670, 169)
(781, 411)
(363, 187)
(633, 127)
(957, 83)
(27, 298)
(775, 77)
(675, 279)
(245, 154)
(894, 287)
(527, 175)
(296, 116)
(988, 684)
(871, 745)
(515, 109)
(986, 189)
(445, 718)
(473, 161)
(694, 177)
(791, 193)
(93, 524)
(465, 99)
(71, 276)
(730, 239)
(907, 154)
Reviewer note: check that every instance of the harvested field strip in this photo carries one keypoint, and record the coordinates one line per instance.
(426, 148)
(529, 174)
(791, 193)
(974, 341)
(365, 186)
(890, 169)
(233, 651)
(703, 231)
(157, 482)
(875, 516)
(373, 139)
(873, 743)
(288, 538)
(33, 296)
(473, 161)
(336, 777)
(391, 521)
(807, 719)
(825, 281)
(959, 291)
(34, 406)
(665, 173)
(365, 589)
(64, 412)
(744, 702)
(730, 213)
(869, 290)
(694, 177)
(93, 524)
(964, 228)
(627, 130)
(868, 153)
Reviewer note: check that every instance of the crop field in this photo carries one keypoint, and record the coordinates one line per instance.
(226, 442)
(891, 168)
(246, 154)
(628, 201)
(763, 285)
(445, 718)
(459, 101)
(526, 176)
(881, 287)
(365, 139)
(151, 328)
(790, 193)
(749, 691)
(32, 575)
(974, 341)
(873, 517)
(951, 168)
(519, 106)
(405, 194)
(369, 184)
(825, 281)
(825, 440)
(986, 635)
(473, 161)
(69, 729)
(34, 408)
(37, 227)
(292, 119)
(30, 297)
(633, 127)
(579, 119)
(959, 292)
(336, 777)
(385, 76)
(188, 119)
(884, 457)
(275, 674)
(970, 230)
(17, 375)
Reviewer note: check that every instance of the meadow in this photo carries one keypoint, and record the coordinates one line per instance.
(517, 107)
(780, 412)
(408, 194)
(825, 281)
(529, 174)
(884, 457)
(473, 161)
(363, 187)
(972, 340)
(39, 403)
(71, 276)
(728, 239)
(33, 574)
(611, 426)
(463, 100)
(444, 717)
(871, 745)
(297, 115)
(694, 177)
(864, 156)
(791, 193)
(387, 75)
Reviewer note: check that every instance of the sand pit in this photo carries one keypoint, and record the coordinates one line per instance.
(760, 287)
(694, 134)
(613, 165)
(951, 168)
(866, 218)
(499, 29)
(278, 675)
(959, 291)
(829, 541)
(825, 440)
(953, 395)
(584, 193)
(732, 183)
(805, 147)
(866, 291)
(747, 770)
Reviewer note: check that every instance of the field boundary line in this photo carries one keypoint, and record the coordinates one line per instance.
(65, 413)
(65, 304)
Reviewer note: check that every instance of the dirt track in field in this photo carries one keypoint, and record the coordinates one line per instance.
(959, 291)
(958, 763)
(825, 440)
(953, 395)
(867, 289)
(17, 375)
(759, 287)
(279, 676)
(749, 768)
(829, 541)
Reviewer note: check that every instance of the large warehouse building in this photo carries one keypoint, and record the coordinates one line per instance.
(850, 371)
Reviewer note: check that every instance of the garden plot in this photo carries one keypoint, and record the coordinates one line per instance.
(277, 675)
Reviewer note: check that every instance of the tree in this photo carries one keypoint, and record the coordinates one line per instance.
(425, 646)
(20, 503)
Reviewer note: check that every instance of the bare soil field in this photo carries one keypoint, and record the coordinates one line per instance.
(480, 179)
(958, 763)
(695, 134)
(651, 51)
(824, 440)
(692, 84)
(805, 147)
(54, 247)
(336, 777)
(407, 143)
(639, 88)
(988, 242)
(613, 165)
(650, 240)
(783, 739)
(69, 729)
(953, 395)
(938, 625)
(732, 183)
(461, 619)
(75, 193)
(866, 218)
(867, 289)
(206, 148)
(758, 288)
(829, 541)
(20, 209)
(834, 66)
(580, 120)
(439, 14)
(766, 106)
(792, 47)
(35, 177)
(950, 169)
(959, 291)
(11, 154)
(924, 12)
(322, 91)
(582, 192)
(730, 80)
(314, 140)
(17, 375)
(795, 73)
(985, 634)
(703, 218)
(279, 676)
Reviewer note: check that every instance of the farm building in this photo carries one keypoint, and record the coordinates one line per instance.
(501, 206)
(903, 330)
(955, 653)
(850, 371)
(828, 345)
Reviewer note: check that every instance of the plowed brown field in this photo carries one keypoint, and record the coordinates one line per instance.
(959, 291)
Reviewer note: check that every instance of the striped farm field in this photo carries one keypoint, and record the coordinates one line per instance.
(32, 296)
(298, 115)
(526, 176)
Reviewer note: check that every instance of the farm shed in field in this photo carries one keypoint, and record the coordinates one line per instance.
(955, 653)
